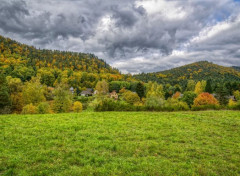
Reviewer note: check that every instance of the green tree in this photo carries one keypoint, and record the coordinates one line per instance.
(15, 88)
(203, 85)
(43, 108)
(4, 92)
(102, 87)
(33, 92)
(155, 89)
(131, 97)
(63, 99)
(190, 85)
(140, 90)
(222, 94)
(154, 103)
(189, 97)
(208, 86)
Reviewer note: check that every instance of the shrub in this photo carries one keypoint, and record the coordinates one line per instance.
(236, 95)
(77, 106)
(154, 103)
(175, 105)
(205, 101)
(6, 110)
(234, 105)
(43, 108)
(108, 104)
(29, 109)
(131, 97)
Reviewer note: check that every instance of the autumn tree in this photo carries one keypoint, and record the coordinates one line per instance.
(102, 87)
(198, 88)
(176, 95)
(77, 106)
(205, 99)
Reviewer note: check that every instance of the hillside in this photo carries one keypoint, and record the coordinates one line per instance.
(202, 70)
(236, 68)
(13, 53)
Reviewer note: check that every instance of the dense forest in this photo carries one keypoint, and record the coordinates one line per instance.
(45, 81)
(197, 71)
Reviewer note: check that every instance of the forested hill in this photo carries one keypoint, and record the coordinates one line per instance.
(236, 68)
(197, 71)
(13, 53)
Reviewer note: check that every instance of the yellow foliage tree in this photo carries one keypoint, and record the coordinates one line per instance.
(102, 87)
(198, 88)
(77, 106)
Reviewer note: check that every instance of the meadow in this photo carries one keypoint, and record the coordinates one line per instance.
(121, 143)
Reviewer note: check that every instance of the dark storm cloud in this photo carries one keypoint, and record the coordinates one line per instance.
(133, 35)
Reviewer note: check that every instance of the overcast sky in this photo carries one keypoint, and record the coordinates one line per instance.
(132, 35)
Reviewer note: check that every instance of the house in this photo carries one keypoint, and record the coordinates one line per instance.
(87, 92)
(114, 95)
(71, 90)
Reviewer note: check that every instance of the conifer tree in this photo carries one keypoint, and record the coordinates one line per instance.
(208, 87)
(222, 94)
(140, 90)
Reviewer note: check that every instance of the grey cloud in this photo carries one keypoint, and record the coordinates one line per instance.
(131, 32)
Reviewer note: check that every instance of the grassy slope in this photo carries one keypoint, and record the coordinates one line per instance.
(120, 143)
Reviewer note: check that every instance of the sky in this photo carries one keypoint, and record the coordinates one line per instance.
(132, 35)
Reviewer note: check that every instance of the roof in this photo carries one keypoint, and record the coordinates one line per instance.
(88, 91)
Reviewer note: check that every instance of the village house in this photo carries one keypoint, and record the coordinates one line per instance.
(88, 92)
(71, 90)
(114, 95)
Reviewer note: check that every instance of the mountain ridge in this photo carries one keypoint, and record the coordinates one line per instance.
(202, 70)
(29, 55)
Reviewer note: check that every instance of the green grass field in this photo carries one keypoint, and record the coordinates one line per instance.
(121, 143)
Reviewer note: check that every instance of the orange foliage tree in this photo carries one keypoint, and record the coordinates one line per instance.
(177, 95)
(205, 99)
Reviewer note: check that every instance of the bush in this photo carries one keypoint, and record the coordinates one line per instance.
(43, 108)
(84, 100)
(6, 110)
(175, 105)
(154, 103)
(131, 97)
(234, 105)
(108, 104)
(77, 106)
(29, 109)
(205, 107)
